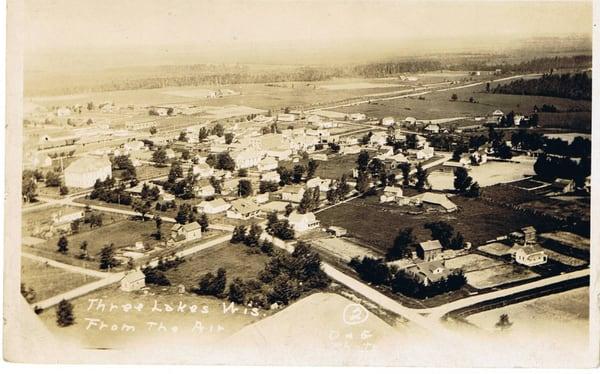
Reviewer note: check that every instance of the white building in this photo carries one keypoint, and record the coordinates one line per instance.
(213, 207)
(271, 176)
(133, 281)
(84, 172)
(358, 117)
(203, 170)
(286, 117)
(247, 158)
(388, 121)
(267, 163)
(303, 222)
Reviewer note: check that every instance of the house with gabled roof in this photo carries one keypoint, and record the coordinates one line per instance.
(189, 231)
(429, 250)
(215, 206)
(243, 209)
(292, 193)
(428, 271)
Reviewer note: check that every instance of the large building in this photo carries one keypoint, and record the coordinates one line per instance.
(84, 172)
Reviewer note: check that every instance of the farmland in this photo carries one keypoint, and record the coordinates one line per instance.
(378, 224)
(236, 259)
(47, 281)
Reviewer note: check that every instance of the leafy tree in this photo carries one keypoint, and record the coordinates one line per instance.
(64, 314)
(266, 186)
(237, 291)
(441, 231)
(156, 276)
(216, 184)
(52, 179)
(253, 236)
(401, 247)
(363, 160)
(285, 175)
(83, 250)
(28, 293)
(213, 285)
(297, 173)
(504, 151)
(503, 322)
(239, 234)
(243, 173)
(363, 182)
(158, 223)
(343, 187)
(225, 162)
(371, 270)
(159, 156)
(184, 214)
(63, 244)
(289, 208)
(228, 138)
(462, 180)
(267, 248)
(457, 242)
(474, 190)
(183, 137)
(202, 134)
(335, 148)
(405, 168)
(143, 207)
(203, 222)
(422, 177)
(312, 168)
(107, 257)
(217, 130)
(153, 130)
(310, 200)
(454, 97)
(244, 188)
(175, 172)
(28, 186)
(63, 190)
(284, 290)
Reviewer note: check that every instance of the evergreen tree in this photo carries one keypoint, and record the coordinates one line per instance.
(63, 244)
(64, 314)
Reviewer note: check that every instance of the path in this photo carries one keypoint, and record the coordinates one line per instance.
(67, 267)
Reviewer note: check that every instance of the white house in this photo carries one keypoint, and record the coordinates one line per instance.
(378, 139)
(133, 281)
(388, 121)
(204, 191)
(321, 184)
(214, 206)
(247, 158)
(292, 193)
(189, 231)
(63, 112)
(243, 209)
(434, 199)
(169, 153)
(203, 170)
(432, 128)
(390, 193)
(358, 117)
(303, 222)
(529, 255)
(268, 163)
(271, 176)
(410, 120)
(67, 215)
(428, 271)
(135, 145)
(84, 172)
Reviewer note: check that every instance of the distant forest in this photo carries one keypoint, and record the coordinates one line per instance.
(570, 86)
(210, 74)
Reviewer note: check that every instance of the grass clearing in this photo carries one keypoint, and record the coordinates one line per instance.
(48, 281)
(498, 275)
(471, 262)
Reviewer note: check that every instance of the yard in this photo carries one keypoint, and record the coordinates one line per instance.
(333, 168)
(378, 224)
(344, 248)
(121, 233)
(498, 275)
(235, 258)
(490, 173)
(471, 262)
(47, 281)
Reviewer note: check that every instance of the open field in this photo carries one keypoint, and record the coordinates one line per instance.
(378, 224)
(122, 233)
(490, 173)
(471, 262)
(344, 249)
(209, 314)
(335, 166)
(438, 105)
(561, 312)
(498, 275)
(47, 281)
(235, 258)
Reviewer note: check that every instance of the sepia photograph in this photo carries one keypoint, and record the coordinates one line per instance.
(300, 183)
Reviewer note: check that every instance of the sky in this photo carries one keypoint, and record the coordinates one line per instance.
(86, 24)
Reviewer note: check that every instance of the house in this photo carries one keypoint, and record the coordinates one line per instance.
(189, 231)
(426, 153)
(286, 117)
(432, 129)
(321, 184)
(267, 163)
(41, 161)
(203, 170)
(303, 222)
(261, 198)
(517, 119)
(66, 216)
(135, 145)
(337, 231)
(204, 191)
(214, 206)
(133, 281)
(243, 209)
(390, 193)
(497, 114)
(271, 176)
(563, 185)
(84, 172)
(378, 139)
(529, 255)
(350, 150)
(428, 271)
(436, 199)
(410, 120)
(292, 193)
(169, 153)
(247, 158)
(452, 166)
(388, 121)
(313, 119)
(358, 116)
(429, 250)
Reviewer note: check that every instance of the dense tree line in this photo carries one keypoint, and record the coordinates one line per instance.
(571, 86)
